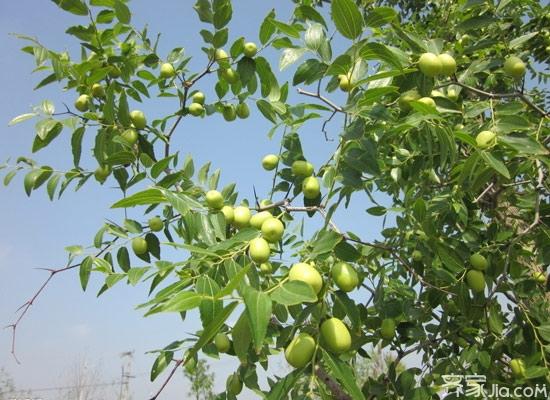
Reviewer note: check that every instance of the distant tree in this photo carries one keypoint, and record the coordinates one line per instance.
(201, 379)
(84, 378)
(7, 386)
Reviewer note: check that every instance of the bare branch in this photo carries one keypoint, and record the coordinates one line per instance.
(29, 303)
(323, 99)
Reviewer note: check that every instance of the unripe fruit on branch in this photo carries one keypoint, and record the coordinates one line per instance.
(478, 262)
(250, 49)
(139, 245)
(101, 173)
(196, 109)
(130, 135)
(308, 274)
(167, 71)
(114, 72)
(344, 82)
(234, 385)
(266, 268)
(514, 67)
(156, 224)
(229, 113)
(258, 250)
(429, 64)
(241, 217)
(300, 350)
(302, 168)
(417, 256)
(98, 90)
(228, 213)
(448, 64)
(230, 75)
(270, 161)
(221, 55)
(222, 343)
(311, 187)
(272, 229)
(198, 98)
(138, 119)
(82, 104)
(242, 110)
(258, 219)
(345, 276)
(387, 329)
(486, 139)
(335, 335)
(475, 280)
(214, 199)
(428, 101)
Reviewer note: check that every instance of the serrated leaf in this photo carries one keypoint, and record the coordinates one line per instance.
(294, 292)
(258, 307)
(347, 18)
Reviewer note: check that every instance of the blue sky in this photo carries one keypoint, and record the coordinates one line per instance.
(67, 324)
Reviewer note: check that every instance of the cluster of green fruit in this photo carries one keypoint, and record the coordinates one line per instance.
(475, 277)
(139, 244)
(311, 187)
(240, 217)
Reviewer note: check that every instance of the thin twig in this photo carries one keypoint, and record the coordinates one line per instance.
(168, 378)
(491, 95)
(323, 99)
(27, 305)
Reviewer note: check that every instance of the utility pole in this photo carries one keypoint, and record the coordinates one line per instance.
(127, 360)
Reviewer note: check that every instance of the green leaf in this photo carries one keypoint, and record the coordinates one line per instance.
(495, 163)
(286, 28)
(258, 307)
(544, 331)
(183, 301)
(52, 185)
(378, 51)
(242, 336)
(290, 56)
(325, 242)
(204, 10)
(76, 144)
(517, 42)
(85, 270)
(123, 258)
(267, 29)
(347, 18)
(380, 16)
(523, 145)
(163, 360)
(76, 7)
(122, 12)
(146, 197)
(294, 292)
(343, 374)
(222, 13)
(21, 118)
(267, 110)
(283, 386)
(233, 283)
(208, 307)
(213, 327)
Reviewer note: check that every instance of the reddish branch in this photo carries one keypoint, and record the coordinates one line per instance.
(168, 378)
(331, 384)
(29, 303)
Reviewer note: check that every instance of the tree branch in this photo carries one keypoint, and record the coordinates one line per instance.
(29, 303)
(491, 95)
(331, 384)
(323, 99)
(168, 378)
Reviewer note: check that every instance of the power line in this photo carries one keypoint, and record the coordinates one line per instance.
(48, 389)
